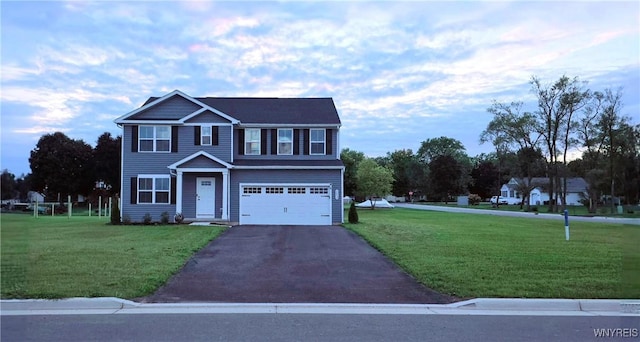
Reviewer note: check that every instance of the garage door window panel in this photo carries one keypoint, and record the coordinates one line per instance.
(297, 191)
(252, 190)
(319, 191)
(274, 190)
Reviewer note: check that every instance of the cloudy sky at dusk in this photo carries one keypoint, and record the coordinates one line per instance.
(399, 72)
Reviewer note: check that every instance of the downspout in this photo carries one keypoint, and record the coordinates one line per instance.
(342, 193)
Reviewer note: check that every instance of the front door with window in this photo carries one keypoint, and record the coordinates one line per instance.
(205, 197)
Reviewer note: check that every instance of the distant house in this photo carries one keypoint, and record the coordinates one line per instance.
(34, 196)
(576, 190)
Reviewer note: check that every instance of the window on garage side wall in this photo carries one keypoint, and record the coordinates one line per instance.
(317, 141)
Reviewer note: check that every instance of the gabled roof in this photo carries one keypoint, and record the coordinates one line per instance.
(271, 111)
(288, 164)
(574, 184)
(153, 101)
(196, 155)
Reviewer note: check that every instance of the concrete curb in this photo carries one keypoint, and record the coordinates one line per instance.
(479, 306)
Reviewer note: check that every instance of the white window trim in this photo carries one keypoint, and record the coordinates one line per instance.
(246, 136)
(153, 188)
(154, 139)
(324, 142)
(202, 135)
(290, 142)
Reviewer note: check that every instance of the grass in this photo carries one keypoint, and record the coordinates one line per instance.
(575, 210)
(468, 255)
(57, 257)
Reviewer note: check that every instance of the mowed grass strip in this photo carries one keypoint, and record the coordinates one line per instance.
(57, 257)
(469, 255)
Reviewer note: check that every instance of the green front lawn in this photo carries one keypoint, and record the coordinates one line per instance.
(468, 255)
(629, 211)
(57, 257)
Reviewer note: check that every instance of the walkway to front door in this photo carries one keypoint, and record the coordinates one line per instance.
(288, 264)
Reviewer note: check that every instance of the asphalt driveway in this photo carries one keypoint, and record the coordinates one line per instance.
(289, 264)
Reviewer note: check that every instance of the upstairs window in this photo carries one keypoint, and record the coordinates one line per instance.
(154, 139)
(285, 141)
(317, 141)
(205, 135)
(252, 141)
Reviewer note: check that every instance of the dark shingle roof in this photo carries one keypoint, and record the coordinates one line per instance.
(285, 163)
(575, 184)
(259, 110)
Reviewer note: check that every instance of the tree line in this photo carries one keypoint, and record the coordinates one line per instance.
(568, 116)
(61, 166)
(527, 144)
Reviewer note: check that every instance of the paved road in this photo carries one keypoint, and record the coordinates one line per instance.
(518, 214)
(287, 264)
(311, 327)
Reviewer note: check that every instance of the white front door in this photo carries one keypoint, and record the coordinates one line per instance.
(205, 197)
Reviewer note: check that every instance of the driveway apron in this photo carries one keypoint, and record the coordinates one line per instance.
(289, 264)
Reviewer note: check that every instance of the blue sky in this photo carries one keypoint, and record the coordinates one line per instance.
(399, 72)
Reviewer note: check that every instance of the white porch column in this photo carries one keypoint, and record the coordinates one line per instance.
(225, 194)
(179, 192)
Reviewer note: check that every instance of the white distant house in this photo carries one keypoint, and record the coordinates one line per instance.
(576, 190)
(34, 196)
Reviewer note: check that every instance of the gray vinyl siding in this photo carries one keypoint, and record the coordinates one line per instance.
(202, 162)
(208, 117)
(136, 163)
(186, 147)
(333, 177)
(334, 148)
(173, 108)
(189, 194)
(136, 213)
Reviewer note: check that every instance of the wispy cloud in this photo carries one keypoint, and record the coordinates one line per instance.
(412, 69)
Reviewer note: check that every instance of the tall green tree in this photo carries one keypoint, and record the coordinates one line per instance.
(23, 186)
(351, 159)
(374, 180)
(514, 131)
(442, 146)
(557, 104)
(610, 162)
(61, 166)
(433, 148)
(445, 175)
(614, 136)
(409, 173)
(106, 156)
(483, 175)
(8, 185)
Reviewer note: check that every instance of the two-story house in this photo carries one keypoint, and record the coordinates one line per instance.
(240, 160)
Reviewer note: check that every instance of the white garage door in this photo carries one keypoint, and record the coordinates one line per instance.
(285, 204)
